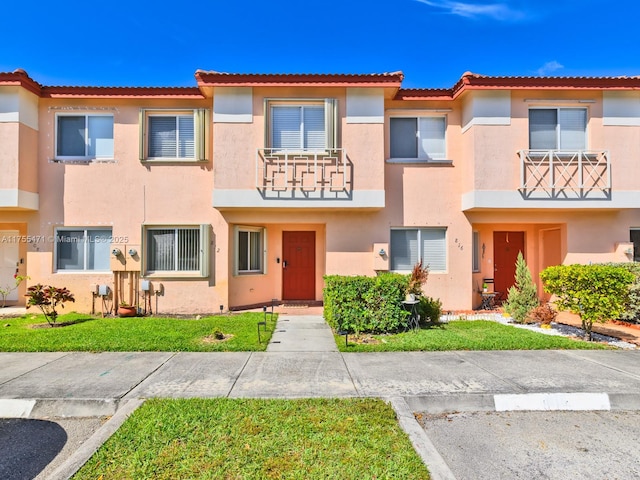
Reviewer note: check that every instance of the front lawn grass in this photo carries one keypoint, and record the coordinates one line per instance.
(250, 438)
(135, 334)
(465, 335)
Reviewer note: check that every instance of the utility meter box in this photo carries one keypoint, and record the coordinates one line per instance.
(132, 258)
(117, 257)
(381, 257)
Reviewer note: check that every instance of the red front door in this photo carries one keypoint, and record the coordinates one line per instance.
(299, 265)
(506, 246)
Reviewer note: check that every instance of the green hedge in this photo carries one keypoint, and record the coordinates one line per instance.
(365, 304)
(632, 307)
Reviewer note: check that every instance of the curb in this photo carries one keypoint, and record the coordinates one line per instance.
(58, 407)
(72, 464)
(576, 401)
(424, 447)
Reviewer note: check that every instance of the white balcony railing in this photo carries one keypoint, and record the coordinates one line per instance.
(562, 174)
(321, 174)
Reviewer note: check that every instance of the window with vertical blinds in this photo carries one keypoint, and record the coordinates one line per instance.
(411, 245)
(308, 125)
(167, 135)
(420, 138)
(558, 128)
(177, 249)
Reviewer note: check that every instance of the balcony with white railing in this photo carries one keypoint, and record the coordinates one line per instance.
(304, 175)
(565, 175)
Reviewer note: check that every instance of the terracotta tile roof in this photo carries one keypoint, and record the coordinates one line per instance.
(474, 81)
(216, 79)
(121, 92)
(20, 78)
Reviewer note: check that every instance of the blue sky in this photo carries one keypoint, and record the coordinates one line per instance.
(160, 43)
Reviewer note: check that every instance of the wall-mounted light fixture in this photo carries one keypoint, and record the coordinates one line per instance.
(382, 253)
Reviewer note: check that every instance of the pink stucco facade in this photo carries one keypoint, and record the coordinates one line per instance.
(250, 208)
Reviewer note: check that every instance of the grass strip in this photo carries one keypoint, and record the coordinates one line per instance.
(136, 334)
(250, 438)
(465, 335)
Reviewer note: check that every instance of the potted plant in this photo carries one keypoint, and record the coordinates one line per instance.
(126, 310)
(485, 287)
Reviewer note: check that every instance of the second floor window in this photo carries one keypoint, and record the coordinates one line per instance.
(301, 125)
(84, 137)
(420, 138)
(173, 135)
(558, 128)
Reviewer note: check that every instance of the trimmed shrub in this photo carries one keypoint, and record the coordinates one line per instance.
(631, 311)
(595, 292)
(365, 304)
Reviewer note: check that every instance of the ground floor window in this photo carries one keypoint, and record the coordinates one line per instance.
(476, 252)
(82, 249)
(411, 245)
(634, 236)
(182, 249)
(250, 249)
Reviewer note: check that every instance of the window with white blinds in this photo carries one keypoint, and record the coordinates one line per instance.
(420, 138)
(171, 137)
(301, 126)
(167, 135)
(412, 245)
(84, 136)
(557, 128)
(179, 249)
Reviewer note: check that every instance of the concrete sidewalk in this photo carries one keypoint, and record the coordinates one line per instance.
(36, 385)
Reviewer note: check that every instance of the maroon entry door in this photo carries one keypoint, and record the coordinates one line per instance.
(299, 265)
(506, 246)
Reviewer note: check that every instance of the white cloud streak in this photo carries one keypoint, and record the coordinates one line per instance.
(497, 11)
(549, 68)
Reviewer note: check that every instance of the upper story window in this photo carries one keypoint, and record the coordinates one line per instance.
(177, 135)
(84, 137)
(301, 124)
(83, 249)
(417, 138)
(558, 128)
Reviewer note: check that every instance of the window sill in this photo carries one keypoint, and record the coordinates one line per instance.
(417, 161)
(82, 272)
(172, 161)
(82, 161)
(176, 275)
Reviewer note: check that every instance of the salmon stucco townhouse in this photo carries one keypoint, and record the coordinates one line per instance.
(250, 187)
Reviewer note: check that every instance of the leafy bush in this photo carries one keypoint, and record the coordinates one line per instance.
(47, 299)
(631, 311)
(595, 292)
(430, 310)
(365, 304)
(523, 296)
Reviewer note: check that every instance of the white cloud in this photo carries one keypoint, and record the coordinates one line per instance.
(549, 68)
(497, 11)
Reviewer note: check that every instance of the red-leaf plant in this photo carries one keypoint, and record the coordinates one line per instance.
(47, 298)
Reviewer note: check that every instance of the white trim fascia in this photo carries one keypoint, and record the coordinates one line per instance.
(502, 199)
(223, 198)
(14, 198)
